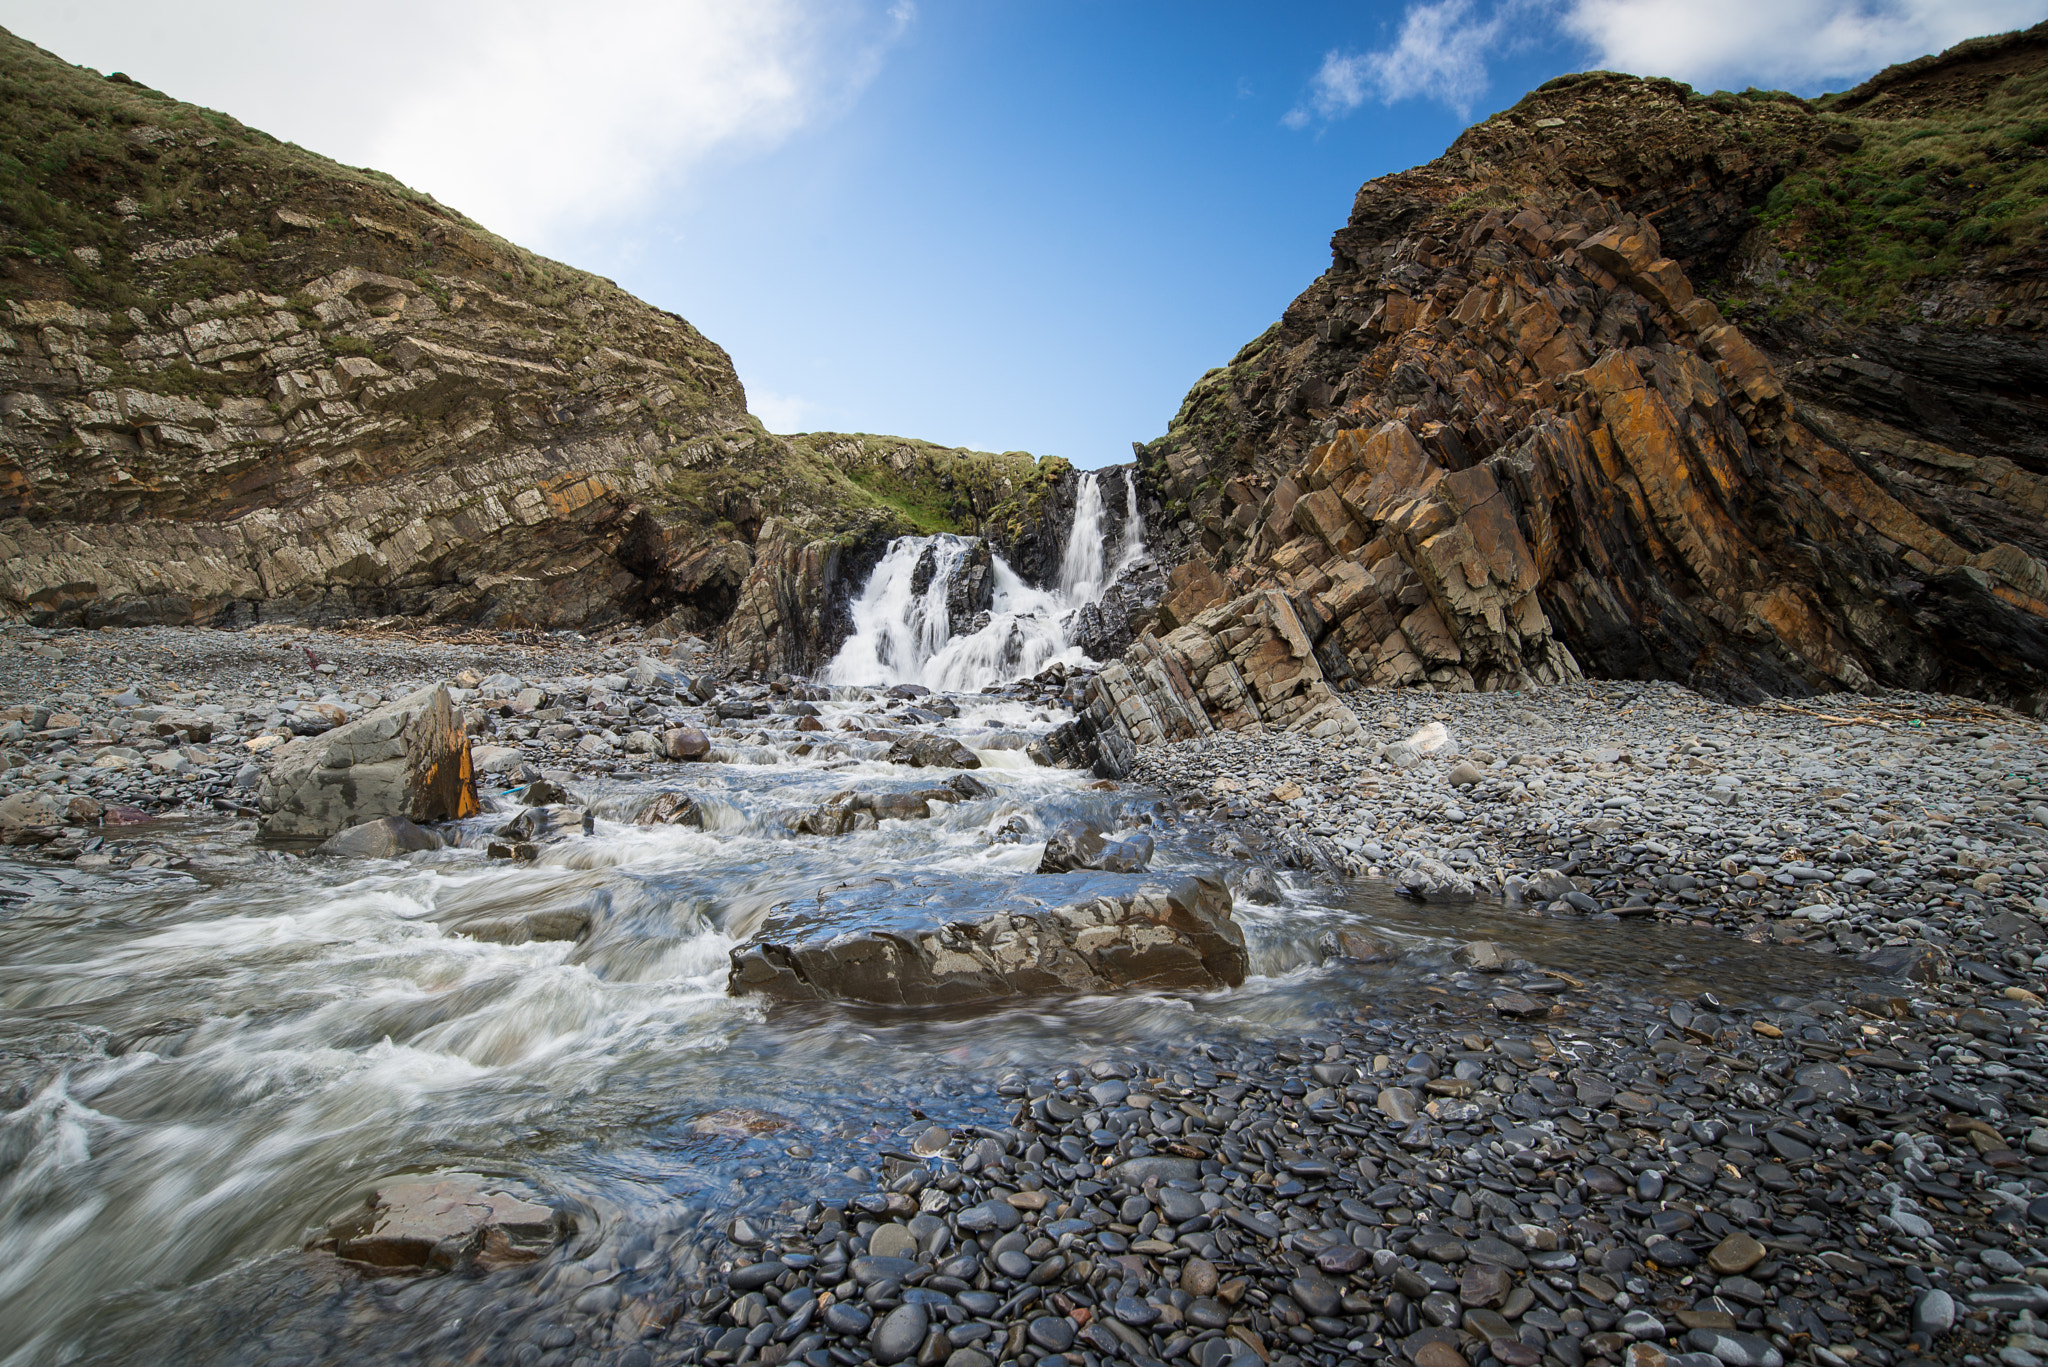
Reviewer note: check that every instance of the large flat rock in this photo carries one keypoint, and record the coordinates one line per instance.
(920, 942)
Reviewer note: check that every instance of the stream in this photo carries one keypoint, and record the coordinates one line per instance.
(203, 1067)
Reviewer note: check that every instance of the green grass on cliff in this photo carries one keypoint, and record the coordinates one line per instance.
(1921, 198)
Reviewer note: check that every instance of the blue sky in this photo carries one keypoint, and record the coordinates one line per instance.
(992, 223)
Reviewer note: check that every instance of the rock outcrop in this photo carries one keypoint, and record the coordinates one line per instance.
(408, 759)
(443, 1223)
(892, 942)
(239, 382)
(1506, 438)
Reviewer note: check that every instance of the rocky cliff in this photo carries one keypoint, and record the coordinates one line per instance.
(243, 382)
(1745, 391)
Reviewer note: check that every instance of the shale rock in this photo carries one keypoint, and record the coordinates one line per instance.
(889, 941)
(407, 759)
(1076, 845)
(934, 752)
(385, 838)
(446, 1222)
(1496, 447)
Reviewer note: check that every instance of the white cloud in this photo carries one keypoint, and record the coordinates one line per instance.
(1794, 43)
(1444, 47)
(780, 413)
(534, 118)
(1440, 54)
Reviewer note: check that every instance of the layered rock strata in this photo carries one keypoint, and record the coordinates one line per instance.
(1504, 440)
(239, 382)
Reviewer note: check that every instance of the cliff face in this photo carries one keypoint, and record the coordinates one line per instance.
(239, 381)
(1511, 436)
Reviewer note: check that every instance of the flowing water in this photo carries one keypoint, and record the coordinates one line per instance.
(904, 632)
(214, 1064)
(202, 1068)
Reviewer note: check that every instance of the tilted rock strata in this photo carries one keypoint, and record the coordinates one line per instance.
(240, 382)
(1495, 447)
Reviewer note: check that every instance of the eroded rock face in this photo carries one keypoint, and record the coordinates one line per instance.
(345, 400)
(445, 1222)
(407, 759)
(892, 942)
(1492, 448)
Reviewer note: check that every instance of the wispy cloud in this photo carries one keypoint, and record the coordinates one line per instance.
(1444, 48)
(780, 413)
(536, 118)
(1797, 44)
(1440, 54)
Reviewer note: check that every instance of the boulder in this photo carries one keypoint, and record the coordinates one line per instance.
(856, 811)
(1077, 845)
(453, 1220)
(545, 792)
(387, 837)
(495, 759)
(1431, 880)
(1433, 739)
(523, 927)
(1256, 883)
(893, 941)
(408, 759)
(685, 742)
(932, 752)
(1355, 944)
(671, 809)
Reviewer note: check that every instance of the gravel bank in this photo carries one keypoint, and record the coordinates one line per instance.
(1910, 824)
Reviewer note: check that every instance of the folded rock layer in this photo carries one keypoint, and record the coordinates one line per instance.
(1506, 439)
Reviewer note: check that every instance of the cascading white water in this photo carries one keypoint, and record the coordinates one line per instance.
(902, 635)
(1081, 565)
(1132, 549)
(897, 629)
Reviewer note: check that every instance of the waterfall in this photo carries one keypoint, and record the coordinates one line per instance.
(1132, 549)
(1081, 566)
(903, 631)
(897, 628)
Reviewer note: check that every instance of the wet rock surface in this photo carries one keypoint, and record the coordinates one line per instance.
(887, 941)
(443, 1223)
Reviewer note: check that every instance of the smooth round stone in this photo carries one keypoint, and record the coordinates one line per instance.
(1054, 1333)
(1514, 1353)
(1316, 1294)
(1342, 1259)
(1135, 1311)
(1012, 1263)
(978, 1303)
(1437, 1353)
(892, 1241)
(902, 1333)
(1670, 1253)
(1198, 1277)
(1736, 1348)
(1206, 1312)
(754, 1276)
(1735, 1254)
(932, 1141)
(867, 1271)
(1484, 1284)
(1641, 1324)
(1603, 1181)
(968, 1357)
(845, 1317)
